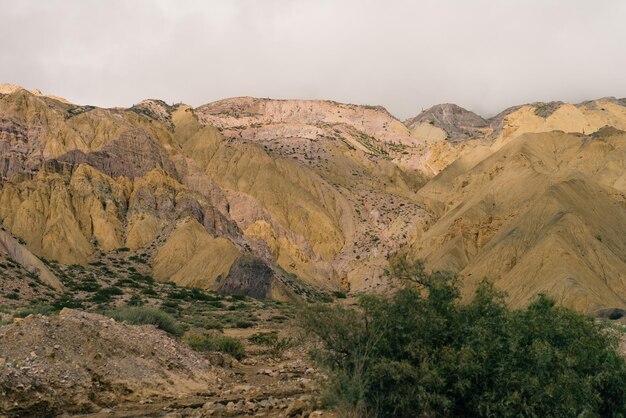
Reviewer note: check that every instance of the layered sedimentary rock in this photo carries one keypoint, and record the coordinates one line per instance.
(244, 194)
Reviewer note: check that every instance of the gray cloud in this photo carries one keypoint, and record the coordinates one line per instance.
(405, 55)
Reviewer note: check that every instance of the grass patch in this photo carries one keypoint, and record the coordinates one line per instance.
(40, 309)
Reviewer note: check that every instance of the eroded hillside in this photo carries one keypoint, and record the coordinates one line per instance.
(269, 197)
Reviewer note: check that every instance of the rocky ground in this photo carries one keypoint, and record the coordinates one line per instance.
(79, 362)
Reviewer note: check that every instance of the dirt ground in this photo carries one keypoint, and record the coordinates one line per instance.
(84, 364)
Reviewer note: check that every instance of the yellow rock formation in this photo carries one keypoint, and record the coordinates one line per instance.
(192, 257)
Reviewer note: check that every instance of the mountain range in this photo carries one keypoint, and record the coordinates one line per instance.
(270, 198)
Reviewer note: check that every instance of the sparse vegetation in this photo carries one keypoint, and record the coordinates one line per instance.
(105, 294)
(37, 309)
(276, 345)
(146, 315)
(546, 109)
(216, 343)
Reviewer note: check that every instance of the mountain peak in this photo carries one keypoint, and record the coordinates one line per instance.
(457, 122)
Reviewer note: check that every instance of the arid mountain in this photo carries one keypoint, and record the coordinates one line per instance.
(537, 205)
(203, 199)
(269, 197)
(449, 122)
(545, 213)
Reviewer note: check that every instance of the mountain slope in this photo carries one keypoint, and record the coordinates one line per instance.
(80, 182)
(277, 197)
(545, 213)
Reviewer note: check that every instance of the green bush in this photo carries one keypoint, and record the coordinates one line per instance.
(216, 304)
(66, 300)
(144, 315)
(87, 286)
(278, 318)
(170, 304)
(207, 323)
(219, 343)
(243, 323)
(35, 310)
(135, 300)
(276, 345)
(422, 353)
(263, 338)
(105, 294)
(142, 278)
(149, 291)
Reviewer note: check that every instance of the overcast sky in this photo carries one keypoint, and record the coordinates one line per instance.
(484, 55)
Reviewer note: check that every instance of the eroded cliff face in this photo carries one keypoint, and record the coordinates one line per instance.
(244, 194)
(80, 180)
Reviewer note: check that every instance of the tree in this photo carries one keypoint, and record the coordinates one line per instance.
(421, 353)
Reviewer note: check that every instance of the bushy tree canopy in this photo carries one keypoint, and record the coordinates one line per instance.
(421, 353)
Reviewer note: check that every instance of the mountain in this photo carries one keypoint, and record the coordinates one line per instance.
(278, 198)
(449, 122)
(275, 192)
(545, 213)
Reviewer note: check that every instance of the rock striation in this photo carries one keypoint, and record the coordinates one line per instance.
(244, 194)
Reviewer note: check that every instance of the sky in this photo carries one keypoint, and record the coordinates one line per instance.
(484, 55)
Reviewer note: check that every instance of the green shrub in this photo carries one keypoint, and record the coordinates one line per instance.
(199, 294)
(142, 278)
(276, 345)
(278, 318)
(149, 291)
(87, 286)
(13, 295)
(144, 315)
(212, 323)
(216, 304)
(170, 310)
(170, 304)
(128, 283)
(182, 294)
(135, 300)
(243, 323)
(219, 343)
(100, 297)
(66, 300)
(76, 267)
(263, 338)
(237, 307)
(35, 310)
(105, 294)
(421, 353)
